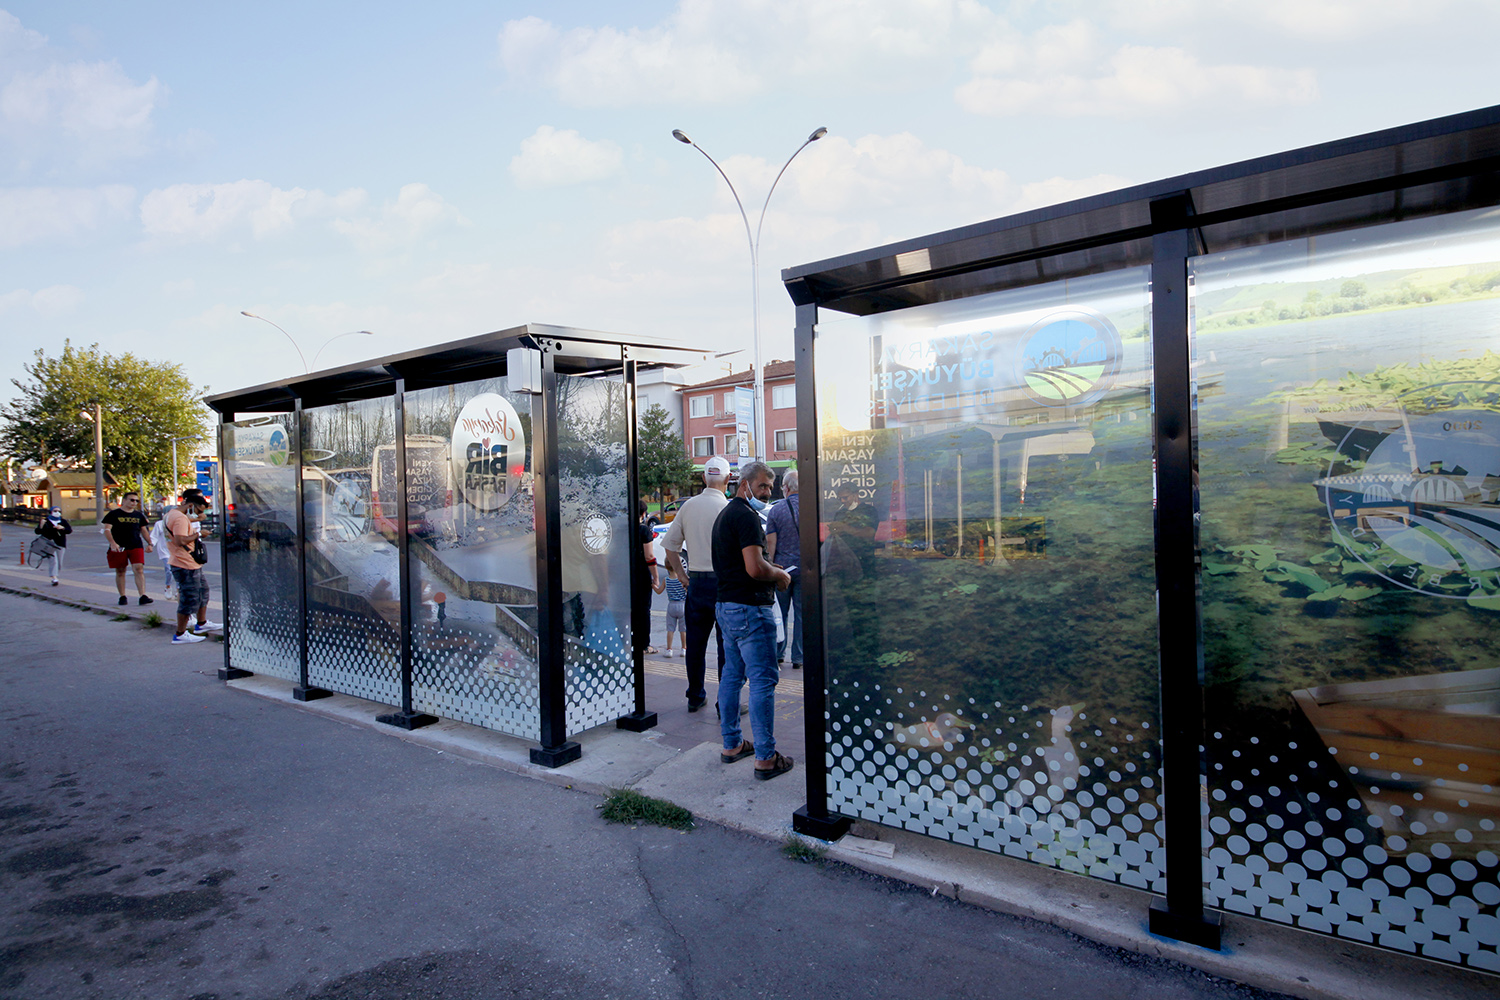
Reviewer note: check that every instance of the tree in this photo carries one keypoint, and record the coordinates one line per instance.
(661, 459)
(1352, 289)
(145, 405)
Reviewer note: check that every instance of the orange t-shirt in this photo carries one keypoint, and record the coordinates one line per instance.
(178, 527)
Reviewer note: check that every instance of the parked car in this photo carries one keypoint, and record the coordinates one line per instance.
(665, 515)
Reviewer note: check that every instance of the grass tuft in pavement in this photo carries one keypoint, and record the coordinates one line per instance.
(152, 619)
(120, 618)
(802, 850)
(625, 805)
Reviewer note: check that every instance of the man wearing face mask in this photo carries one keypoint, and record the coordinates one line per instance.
(746, 585)
(56, 529)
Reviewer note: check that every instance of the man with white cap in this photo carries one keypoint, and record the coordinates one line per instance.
(692, 529)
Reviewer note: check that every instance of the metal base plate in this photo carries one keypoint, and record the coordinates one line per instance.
(407, 720)
(636, 722)
(301, 693)
(1204, 929)
(233, 673)
(556, 756)
(830, 827)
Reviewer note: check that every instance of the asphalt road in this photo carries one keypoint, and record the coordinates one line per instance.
(164, 837)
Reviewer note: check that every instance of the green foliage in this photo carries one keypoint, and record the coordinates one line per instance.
(145, 404)
(1378, 387)
(1352, 289)
(662, 460)
(805, 851)
(152, 619)
(120, 618)
(626, 805)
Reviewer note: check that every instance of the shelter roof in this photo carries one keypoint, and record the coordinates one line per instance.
(1432, 167)
(576, 352)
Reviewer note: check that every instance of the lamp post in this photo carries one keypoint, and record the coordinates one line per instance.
(305, 366)
(97, 419)
(176, 483)
(759, 369)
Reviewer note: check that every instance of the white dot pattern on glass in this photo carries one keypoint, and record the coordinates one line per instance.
(464, 673)
(1393, 866)
(352, 654)
(1021, 781)
(600, 684)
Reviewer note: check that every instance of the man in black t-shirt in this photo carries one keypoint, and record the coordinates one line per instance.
(747, 585)
(128, 531)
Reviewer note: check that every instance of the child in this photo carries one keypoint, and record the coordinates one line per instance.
(676, 609)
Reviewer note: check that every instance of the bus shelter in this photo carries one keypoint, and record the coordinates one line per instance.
(448, 530)
(1158, 539)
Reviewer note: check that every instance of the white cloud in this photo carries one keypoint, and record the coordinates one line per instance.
(42, 215)
(416, 211)
(49, 303)
(550, 157)
(711, 51)
(1029, 76)
(91, 110)
(195, 212)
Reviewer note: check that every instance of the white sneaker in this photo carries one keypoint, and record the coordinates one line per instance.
(202, 627)
(186, 637)
(671, 652)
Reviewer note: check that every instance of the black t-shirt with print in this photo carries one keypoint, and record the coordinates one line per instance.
(126, 527)
(737, 528)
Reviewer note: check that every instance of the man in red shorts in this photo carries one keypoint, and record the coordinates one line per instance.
(128, 534)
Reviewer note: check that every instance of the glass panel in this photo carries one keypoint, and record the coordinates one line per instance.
(1349, 448)
(260, 572)
(353, 570)
(989, 597)
(597, 531)
(472, 553)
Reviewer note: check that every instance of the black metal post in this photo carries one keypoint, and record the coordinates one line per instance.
(556, 749)
(1181, 915)
(640, 611)
(813, 819)
(407, 718)
(303, 691)
(227, 672)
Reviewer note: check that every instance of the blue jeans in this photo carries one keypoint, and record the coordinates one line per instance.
(749, 632)
(791, 597)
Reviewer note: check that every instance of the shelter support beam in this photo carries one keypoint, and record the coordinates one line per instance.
(556, 749)
(227, 672)
(303, 691)
(813, 819)
(1181, 915)
(639, 720)
(408, 718)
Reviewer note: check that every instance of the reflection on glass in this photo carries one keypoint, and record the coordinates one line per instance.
(472, 553)
(597, 532)
(1349, 450)
(353, 568)
(988, 574)
(260, 570)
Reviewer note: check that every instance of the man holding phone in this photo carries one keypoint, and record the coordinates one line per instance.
(187, 572)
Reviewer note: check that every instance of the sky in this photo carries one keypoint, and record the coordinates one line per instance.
(434, 173)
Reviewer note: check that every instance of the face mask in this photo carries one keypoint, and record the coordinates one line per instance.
(755, 504)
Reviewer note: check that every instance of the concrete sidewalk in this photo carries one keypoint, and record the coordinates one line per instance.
(679, 761)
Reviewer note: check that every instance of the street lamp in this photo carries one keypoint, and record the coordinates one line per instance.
(288, 336)
(351, 333)
(97, 419)
(759, 372)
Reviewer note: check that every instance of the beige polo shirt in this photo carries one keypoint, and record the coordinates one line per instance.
(693, 529)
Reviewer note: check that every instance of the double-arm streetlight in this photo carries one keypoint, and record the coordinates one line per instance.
(305, 366)
(759, 373)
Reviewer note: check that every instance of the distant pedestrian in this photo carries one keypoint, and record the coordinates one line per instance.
(676, 610)
(653, 584)
(125, 528)
(784, 548)
(747, 584)
(692, 529)
(55, 529)
(187, 570)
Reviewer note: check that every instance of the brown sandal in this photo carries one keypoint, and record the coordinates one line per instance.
(746, 749)
(779, 765)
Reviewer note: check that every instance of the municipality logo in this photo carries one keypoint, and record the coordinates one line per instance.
(1069, 357)
(277, 447)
